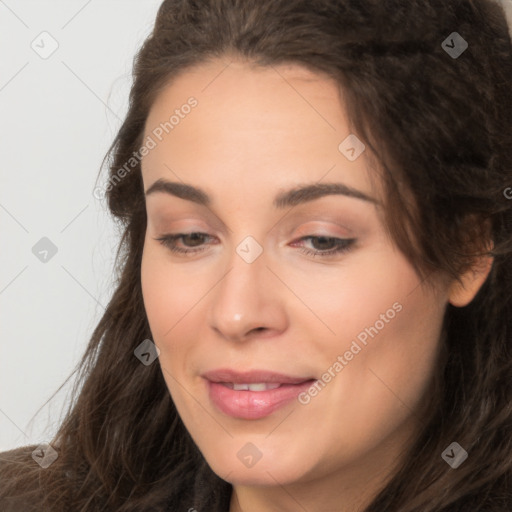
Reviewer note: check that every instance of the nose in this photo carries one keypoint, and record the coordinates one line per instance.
(249, 301)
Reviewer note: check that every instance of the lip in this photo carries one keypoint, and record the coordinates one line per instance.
(251, 405)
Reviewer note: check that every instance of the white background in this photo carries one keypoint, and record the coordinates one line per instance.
(58, 116)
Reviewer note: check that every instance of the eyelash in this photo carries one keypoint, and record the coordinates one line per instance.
(342, 244)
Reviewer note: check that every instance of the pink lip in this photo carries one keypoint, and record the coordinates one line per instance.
(253, 405)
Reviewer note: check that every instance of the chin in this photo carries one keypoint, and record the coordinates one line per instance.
(267, 471)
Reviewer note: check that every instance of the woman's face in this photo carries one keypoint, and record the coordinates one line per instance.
(304, 291)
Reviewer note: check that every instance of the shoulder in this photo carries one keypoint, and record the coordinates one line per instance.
(19, 454)
(13, 461)
(13, 466)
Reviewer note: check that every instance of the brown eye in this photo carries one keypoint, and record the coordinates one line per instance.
(195, 239)
(328, 246)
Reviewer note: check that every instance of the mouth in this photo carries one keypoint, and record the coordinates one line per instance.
(255, 394)
(258, 386)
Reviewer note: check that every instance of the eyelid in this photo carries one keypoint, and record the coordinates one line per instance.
(320, 229)
(342, 245)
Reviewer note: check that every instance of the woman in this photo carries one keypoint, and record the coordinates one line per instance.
(314, 305)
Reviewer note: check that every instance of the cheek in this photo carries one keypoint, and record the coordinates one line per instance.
(387, 333)
(402, 332)
(170, 294)
(175, 298)
(169, 298)
(388, 377)
(363, 300)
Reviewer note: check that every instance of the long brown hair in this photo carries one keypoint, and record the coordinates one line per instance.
(441, 127)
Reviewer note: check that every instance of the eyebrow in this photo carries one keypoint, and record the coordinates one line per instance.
(292, 197)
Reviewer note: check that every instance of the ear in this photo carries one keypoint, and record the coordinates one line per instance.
(462, 293)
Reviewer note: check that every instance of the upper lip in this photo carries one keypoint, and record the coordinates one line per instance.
(252, 377)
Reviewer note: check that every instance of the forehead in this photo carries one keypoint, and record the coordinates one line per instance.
(265, 124)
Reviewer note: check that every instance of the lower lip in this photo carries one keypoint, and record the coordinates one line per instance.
(252, 405)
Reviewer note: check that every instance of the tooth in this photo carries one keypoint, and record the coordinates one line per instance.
(260, 386)
(240, 387)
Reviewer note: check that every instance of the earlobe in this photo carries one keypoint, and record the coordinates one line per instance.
(462, 293)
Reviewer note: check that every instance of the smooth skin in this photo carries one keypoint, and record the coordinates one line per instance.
(254, 133)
